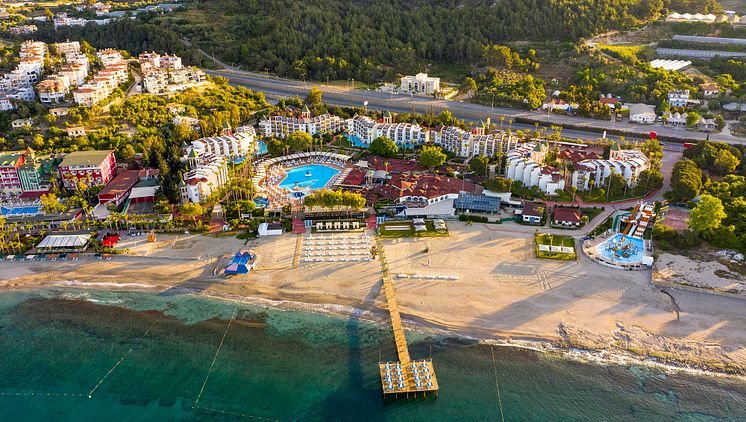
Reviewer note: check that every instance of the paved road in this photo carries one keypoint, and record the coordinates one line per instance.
(275, 87)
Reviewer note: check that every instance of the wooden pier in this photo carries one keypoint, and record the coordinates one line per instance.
(405, 376)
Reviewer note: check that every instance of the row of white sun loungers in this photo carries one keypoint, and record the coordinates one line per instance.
(341, 242)
(336, 237)
(343, 259)
(337, 253)
(428, 277)
(331, 248)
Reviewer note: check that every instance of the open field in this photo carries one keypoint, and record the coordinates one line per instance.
(503, 290)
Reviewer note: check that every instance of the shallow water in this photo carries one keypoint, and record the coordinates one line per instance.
(143, 356)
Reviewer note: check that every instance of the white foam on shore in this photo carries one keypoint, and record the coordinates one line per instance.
(70, 283)
(600, 357)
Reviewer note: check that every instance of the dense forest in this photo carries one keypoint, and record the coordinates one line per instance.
(370, 40)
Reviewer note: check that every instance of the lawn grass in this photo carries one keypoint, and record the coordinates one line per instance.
(555, 240)
(430, 232)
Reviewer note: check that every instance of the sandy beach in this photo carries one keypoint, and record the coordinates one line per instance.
(503, 292)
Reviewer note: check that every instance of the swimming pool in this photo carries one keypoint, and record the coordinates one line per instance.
(30, 210)
(622, 249)
(359, 143)
(312, 176)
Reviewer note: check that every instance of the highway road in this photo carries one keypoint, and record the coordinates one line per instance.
(275, 88)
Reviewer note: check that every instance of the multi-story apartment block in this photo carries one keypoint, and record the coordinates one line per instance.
(23, 29)
(10, 162)
(67, 48)
(154, 62)
(281, 126)
(104, 83)
(94, 168)
(53, 89)
(109, 57)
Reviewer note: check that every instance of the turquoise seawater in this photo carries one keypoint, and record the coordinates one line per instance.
(88, 355)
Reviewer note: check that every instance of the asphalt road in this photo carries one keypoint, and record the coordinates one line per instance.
(275, 88)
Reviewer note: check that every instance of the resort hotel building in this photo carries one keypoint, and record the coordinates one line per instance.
(364, 130)
(206, 174)
(229, 146)
(278, 126)
(471, 143)
(526, 164)
(627, 162)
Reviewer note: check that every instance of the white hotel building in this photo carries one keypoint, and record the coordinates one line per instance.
(206, 175)
(627, 162)
(282, 126)
(366, 130)
(227, 146)
(526, 164)
(471, 143)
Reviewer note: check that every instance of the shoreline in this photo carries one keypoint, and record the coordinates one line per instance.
(379, 316)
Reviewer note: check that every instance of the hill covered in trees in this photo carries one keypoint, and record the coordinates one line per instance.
(369, 40)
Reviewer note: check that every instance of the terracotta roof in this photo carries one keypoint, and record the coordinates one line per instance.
(568, 215)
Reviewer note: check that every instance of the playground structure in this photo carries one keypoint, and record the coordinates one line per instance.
(639, 220)
(621, 247)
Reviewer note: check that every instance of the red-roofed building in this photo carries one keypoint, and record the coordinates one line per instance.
(425, 195)
(568, 217)
(117, 190)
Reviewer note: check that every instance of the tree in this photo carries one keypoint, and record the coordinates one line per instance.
(193, 210)
(707, 214)
(299, 141)
(468, 86)
(479, 164)
(498, 184)
(276, 147)
(692, 118)
(314, 97)
(431, 156)
(383, 146)
(616, 184)
(725, 162)
(51, 204)
(686, 180)
(649, 179)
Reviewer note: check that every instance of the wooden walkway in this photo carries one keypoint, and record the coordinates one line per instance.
(405, 376)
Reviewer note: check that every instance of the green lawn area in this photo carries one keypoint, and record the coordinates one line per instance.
(406, 229)
(555, 240)
(591, 212)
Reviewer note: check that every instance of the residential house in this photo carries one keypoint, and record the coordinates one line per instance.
(678, 98)
(21, 123)
(709, 89)
(567, 217)
(642, 113)
(75, 131)
(532, 213)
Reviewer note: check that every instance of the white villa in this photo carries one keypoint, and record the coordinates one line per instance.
(420, 84)
(282, 126)
(526, 164)
(629, 163)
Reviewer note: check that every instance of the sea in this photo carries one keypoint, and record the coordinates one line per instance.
(83, 355)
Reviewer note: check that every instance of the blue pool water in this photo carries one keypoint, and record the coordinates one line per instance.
(33, 210)
(317, 179)
(356, 141)
(621, 248)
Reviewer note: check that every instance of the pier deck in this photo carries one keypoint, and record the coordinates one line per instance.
(405, 376)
